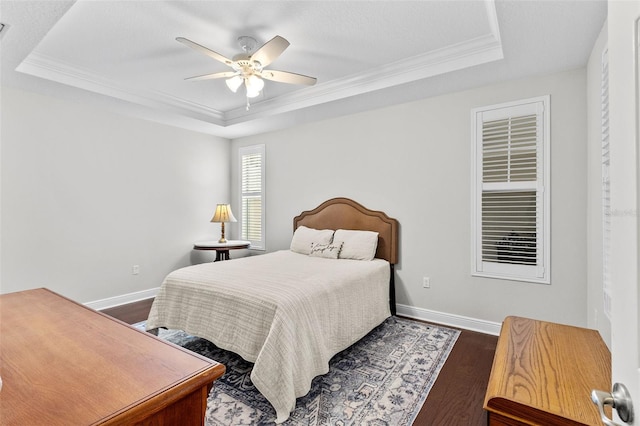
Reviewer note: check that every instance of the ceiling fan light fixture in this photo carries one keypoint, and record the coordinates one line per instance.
(234, 83)
(252, 93)
(254, 85)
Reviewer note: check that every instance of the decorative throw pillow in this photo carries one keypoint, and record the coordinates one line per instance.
(328, 251)
(303, 237)
(359, 245)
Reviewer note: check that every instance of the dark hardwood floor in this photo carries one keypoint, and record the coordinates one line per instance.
(132, 312)
(456, 397)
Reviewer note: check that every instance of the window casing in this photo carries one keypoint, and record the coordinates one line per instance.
(510, 189)
(252, 195)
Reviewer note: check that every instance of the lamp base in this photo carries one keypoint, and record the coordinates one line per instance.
(222, 239)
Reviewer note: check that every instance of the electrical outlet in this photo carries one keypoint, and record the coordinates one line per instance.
(135, 269)
(426, 282)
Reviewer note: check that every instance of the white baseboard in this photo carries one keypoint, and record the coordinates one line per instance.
(459, 321)
(110, 302)
(473, 324)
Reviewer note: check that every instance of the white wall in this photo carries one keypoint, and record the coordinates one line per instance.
(596, 317)
(87, 194)
(413, 161)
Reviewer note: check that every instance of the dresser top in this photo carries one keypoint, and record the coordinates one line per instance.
(544, 372)
(63, 363)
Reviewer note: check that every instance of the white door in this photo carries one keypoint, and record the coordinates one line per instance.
(624, 88)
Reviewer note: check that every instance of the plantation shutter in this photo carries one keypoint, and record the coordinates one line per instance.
(510, 192)
(606, 188)
(252, 195)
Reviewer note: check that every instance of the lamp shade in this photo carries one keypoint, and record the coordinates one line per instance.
(234, 83)
(223, 214)
(254, 85)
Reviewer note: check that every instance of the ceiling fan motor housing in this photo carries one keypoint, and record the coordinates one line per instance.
(243, 63)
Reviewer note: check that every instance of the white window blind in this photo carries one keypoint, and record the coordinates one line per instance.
(606, 188)
(511, 214)
(252, 164)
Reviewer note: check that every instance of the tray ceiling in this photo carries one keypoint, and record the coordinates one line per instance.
(365, 54)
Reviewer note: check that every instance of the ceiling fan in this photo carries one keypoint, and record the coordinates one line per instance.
(248, 68)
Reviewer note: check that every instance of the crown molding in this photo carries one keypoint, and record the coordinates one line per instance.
(43, 66)
(462, 55)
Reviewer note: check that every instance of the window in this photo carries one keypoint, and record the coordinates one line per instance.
(511, 197)
(252, 225)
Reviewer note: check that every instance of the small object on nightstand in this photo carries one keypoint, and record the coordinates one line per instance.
(223, 214)
(222, 249)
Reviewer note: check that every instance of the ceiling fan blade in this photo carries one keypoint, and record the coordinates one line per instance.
(226, 74)
(288, 77)
(206, 51)
(270, 51)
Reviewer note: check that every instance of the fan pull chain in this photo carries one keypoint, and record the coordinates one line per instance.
(248, 104)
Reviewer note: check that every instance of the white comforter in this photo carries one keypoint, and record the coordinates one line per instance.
(286, 312)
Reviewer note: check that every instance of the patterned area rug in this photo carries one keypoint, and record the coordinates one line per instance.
(381, 380)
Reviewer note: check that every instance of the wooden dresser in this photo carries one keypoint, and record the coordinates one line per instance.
(543, 374)
(64, 364)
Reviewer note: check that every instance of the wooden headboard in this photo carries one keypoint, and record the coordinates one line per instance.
(343, 213)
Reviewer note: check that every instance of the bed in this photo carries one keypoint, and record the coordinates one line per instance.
(290, 311)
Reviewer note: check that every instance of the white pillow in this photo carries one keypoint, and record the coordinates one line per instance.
(359, 245)
(328, 251)
(304, 237)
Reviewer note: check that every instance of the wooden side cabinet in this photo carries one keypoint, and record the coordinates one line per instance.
(543, 374)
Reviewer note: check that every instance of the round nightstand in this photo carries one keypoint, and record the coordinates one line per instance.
(222, 249)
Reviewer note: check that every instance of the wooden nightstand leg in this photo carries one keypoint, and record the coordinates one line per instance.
(222, 255)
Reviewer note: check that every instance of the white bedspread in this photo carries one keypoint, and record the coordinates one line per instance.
(286, 312)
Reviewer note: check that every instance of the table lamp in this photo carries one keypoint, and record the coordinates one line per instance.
(223, 214)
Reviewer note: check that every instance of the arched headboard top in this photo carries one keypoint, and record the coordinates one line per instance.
(344, 213)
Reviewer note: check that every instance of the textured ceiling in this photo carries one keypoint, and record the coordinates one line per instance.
(365, 54)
